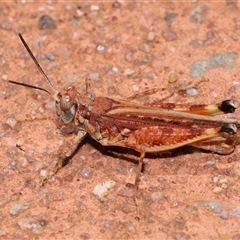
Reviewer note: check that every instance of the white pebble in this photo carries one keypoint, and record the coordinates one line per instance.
(217, 190)
(115, 69)
(102, 189)
(135, 88)
(151, 36)
(94, 7)
(128, 72)
(100, 48)
(11, 122)
(43, 173)
(192, 92)
(4, 76)
(80, 13)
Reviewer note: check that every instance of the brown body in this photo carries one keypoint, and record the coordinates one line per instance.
(154, 128)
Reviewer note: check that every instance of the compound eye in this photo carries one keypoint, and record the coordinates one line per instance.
(65, 103)
(69, 115)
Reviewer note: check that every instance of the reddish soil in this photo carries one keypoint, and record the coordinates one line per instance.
(125, 48)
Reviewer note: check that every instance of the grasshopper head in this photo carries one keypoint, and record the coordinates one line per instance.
(66, 101)
(67, 104)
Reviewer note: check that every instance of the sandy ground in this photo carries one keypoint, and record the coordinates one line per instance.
(125, 48)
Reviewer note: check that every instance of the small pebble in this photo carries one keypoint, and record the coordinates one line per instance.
(192, 92)
(162, 179)
(210, 163)
(30, 224)
(225, 60)
(116, 4)
(128, 72)
(169, 35)
(5, 25)
(174, 204)
(50, 56)
(45, 201)
(224, 185)
(215, 206)
(172, 77)
(144, 48)
(86, 173)
(13, 165)
(128, 207)
(236, 212)
(82, 158)
(80, 13)
(19, 207)
(198, 68)
(4, 77)
(181, 180)
(12, 151)
(217, 189)
(152, 75)
(198, 14)
(224, 214)
(210, 35)
(192, 209)
(43, 222)
(68, 7)
(40, 56)
(156, 196)
(94, 7)
(100, 48)
(135, 88)
(2, 61)
(110, 225)
(102, 189)
(169, 17)
(22, 162)
(43, 173)
(30, 184)
(46, 22)
(126, 193)
(178, 222)
(11, 122)
(223, 180)
(115, 69)
(151, 36)
(128, 57)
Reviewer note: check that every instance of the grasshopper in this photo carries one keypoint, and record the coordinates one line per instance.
(145, 128)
